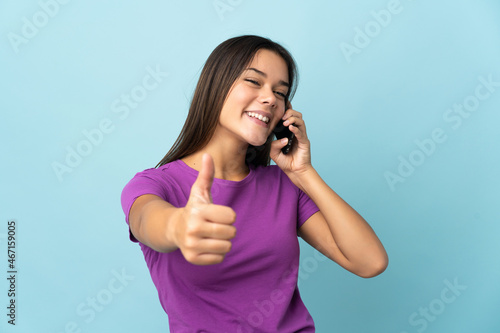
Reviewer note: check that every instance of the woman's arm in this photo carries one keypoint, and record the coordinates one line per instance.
(150, 218)
(201, 230)
(339, 232)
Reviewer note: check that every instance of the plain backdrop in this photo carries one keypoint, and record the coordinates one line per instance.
(401, 102)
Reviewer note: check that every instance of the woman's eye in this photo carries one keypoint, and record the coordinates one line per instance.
(281, 94)
(252, 81)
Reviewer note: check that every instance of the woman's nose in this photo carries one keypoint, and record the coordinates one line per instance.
(267, 96)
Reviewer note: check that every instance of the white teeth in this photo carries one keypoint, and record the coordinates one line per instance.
(258, 116)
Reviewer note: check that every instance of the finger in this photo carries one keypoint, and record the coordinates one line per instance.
(296, 130)
(218, 214)
(276, 146)
(293, 120)
(206, 259)
(292, 113)
(217, 231)
(207, 251)
(299, 131)
(214, 246)
(201, 189)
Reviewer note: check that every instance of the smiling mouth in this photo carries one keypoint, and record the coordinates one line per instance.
(262, 118)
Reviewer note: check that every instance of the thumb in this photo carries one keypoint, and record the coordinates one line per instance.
(276, 146)
(201, 189)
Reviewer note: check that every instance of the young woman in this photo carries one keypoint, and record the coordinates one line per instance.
(218, 225)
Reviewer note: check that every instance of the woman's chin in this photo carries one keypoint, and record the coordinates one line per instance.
(257, 142)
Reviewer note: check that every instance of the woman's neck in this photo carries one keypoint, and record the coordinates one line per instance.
(229, 160)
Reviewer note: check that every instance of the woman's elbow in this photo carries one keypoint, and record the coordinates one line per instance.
(376, 268)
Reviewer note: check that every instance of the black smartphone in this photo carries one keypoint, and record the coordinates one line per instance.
(281, 132)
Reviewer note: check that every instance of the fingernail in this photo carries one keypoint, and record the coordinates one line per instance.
(284, 140)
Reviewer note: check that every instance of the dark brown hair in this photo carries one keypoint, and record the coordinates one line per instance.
(224, 65)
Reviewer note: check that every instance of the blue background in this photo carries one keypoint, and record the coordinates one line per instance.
(364, 112)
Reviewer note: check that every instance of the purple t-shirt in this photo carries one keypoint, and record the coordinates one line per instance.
(255, 288)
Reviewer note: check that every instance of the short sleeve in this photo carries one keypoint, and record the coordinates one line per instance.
(305, 209)
(145, 182)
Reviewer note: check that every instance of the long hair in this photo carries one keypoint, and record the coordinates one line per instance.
(224, 65)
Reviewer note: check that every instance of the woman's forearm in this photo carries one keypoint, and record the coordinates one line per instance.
(151, 219)
(353, 235)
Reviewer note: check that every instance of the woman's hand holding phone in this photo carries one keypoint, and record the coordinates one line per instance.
(298, 158)
(281, 131)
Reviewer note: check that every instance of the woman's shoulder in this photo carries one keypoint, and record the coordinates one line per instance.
(168, 170)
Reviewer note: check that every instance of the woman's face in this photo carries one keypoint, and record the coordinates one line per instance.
(256, 101)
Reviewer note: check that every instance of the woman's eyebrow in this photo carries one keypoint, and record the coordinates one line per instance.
(281, 82)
